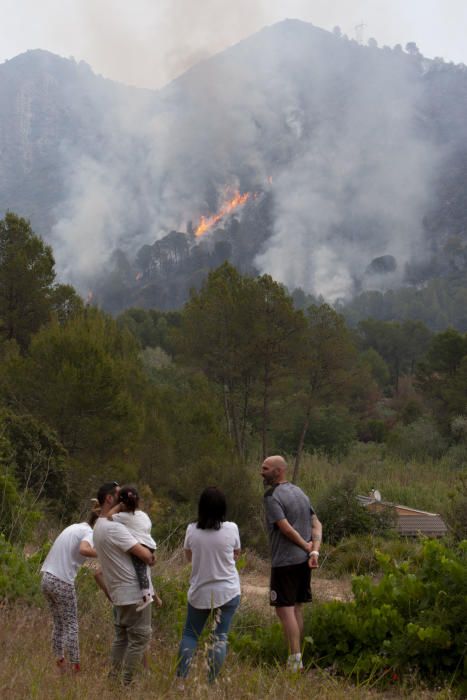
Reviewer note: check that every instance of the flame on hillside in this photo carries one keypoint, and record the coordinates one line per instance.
(207, 222)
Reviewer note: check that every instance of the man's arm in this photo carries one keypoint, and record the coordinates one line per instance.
(316, 536)
(291, 533)
(188, 554)
(142, 553)
(99, 578)
(86, 550)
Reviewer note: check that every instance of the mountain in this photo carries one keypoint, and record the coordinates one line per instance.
(354, 159)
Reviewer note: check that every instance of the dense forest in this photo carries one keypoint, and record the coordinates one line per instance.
(173, 399)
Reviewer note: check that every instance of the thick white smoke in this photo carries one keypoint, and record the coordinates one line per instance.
(342, 142)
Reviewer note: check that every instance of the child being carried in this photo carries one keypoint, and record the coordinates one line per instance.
(138, 522)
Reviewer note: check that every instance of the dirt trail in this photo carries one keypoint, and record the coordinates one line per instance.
(255, 589)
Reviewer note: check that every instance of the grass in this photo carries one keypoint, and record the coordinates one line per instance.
(27, 668)
(27, 671)
(425, 485)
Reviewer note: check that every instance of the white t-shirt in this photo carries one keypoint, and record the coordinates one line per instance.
(64, 559)
(112, 541)
(139, 524)
(214, 576)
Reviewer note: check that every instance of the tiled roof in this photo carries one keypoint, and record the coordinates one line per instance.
(418, 522)
(425, 524)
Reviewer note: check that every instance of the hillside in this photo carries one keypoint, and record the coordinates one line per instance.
(355, 159)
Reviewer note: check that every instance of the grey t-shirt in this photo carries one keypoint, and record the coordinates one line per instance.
(287, 501)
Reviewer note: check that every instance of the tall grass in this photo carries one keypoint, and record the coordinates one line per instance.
(27, 669)
(424, 485)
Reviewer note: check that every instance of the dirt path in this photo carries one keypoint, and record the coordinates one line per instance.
(255, 589)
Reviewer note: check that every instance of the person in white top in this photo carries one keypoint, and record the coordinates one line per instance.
(114, 545)
(128, 512)
(59, 570)
(212, 545)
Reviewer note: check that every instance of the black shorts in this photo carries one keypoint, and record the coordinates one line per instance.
(290, 585)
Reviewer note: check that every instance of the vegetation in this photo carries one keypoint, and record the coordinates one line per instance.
(178, 400)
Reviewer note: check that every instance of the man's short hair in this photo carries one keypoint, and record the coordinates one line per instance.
(105, 490)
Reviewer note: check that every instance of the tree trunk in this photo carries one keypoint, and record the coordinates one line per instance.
(244, 415)
(265, 412)
(236, 430)
(301, 443)
(227, 411)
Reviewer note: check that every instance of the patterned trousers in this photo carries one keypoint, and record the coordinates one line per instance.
(61, 597)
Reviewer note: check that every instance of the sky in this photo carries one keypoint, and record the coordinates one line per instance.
(147, 43)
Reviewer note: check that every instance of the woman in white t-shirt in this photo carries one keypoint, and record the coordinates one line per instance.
(59, 570)
(212, 544)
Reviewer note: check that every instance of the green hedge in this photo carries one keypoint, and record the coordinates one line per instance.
(412, 621)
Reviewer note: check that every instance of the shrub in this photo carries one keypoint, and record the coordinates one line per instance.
(457, 511)
(342, 515)
(19, 576)
(412, 620)
(420, 440)
(357, 555)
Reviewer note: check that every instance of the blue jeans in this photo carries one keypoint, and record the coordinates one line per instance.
(194, 625)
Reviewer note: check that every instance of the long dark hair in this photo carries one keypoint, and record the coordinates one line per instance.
(212, 508)
(130, 497)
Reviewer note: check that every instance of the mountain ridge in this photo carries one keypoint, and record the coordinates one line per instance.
(357, 153)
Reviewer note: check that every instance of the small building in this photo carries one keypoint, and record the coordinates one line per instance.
(410, 522)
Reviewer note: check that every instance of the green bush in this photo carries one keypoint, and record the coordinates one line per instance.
(256, 641)
(411, 621)
(357, 555)
(18, 514)
(420, 440)
(342, 515)
(19, 576)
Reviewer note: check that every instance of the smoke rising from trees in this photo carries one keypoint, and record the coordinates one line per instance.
(334, 129)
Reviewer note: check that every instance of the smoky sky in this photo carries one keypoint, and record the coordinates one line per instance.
(343, 193)
(351, 177)
(147, 43)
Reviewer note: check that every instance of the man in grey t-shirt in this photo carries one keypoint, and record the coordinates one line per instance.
(295, 537)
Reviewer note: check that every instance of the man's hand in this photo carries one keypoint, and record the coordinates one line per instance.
(143, 553)
(313, 560)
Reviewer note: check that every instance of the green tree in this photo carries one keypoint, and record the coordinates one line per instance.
(28, 295)
(242, 332)
(342, 515)
(401, 345)
(83, 380)
(442, 376)
(328, 361)
(278, 333)
(217, 336)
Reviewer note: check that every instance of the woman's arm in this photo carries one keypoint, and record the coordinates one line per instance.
(237, 553)
(86, 549)
(188, 554)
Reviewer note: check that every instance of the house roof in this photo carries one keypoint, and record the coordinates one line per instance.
(429, 524)
(412, 522)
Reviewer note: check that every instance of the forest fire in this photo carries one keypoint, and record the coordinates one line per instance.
(207, 222)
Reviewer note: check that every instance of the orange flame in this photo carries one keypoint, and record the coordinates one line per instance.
(207, 222)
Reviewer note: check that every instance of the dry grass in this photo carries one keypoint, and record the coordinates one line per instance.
(27, 668)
